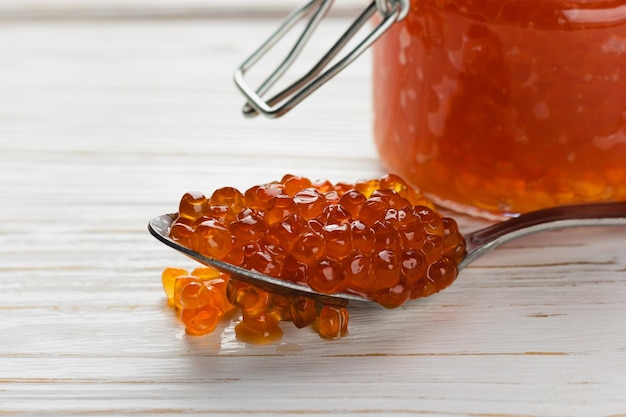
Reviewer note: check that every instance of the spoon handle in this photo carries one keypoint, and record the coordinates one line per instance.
(600, 214)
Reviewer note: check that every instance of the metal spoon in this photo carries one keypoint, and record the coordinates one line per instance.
(478, 243)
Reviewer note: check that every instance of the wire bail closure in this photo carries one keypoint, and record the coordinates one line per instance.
(391, 11)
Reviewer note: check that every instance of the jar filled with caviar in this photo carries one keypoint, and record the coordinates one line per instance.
(500, 107)
(505, 106)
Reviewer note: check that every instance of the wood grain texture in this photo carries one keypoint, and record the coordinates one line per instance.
(103, 126)
(160, 9)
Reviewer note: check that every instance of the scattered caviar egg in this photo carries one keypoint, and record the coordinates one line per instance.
(168, 279)
(199, 298)
(380, 239)
(201, 320)
(279, 307)
(247, 297)
(179, 285)
(259, 329)
(194, 295)
(333, 322)
(302, 311)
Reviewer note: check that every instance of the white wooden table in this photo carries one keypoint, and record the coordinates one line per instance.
(106, 122)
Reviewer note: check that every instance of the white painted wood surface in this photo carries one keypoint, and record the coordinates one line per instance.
(105, 124)
(162, 9)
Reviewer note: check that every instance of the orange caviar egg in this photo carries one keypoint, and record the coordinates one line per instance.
(222, 214)
(326, 276)
(380, 239)
(432, 248)
(294, 184)
(279, 307)
(258, 197)
(413, 234)
(302, 311)
(393, 296)
(199, 297)
(181, 232)
(279, 208)
(168, 279)
(453, 242)
(386, 269)
(442, 272)
(259, 329)
(198, 294)
(351, 201)
(357, 269)
(367, 187)
(362, 236)
(212, 239)
(207, 274)
(228, 197)
(395, 183)
(310, 202)
(338, 241)
(308, 247)
(179, 284)
(192, 205)
(249, 226)
(248, 298)
(386, 236)
(286, 232)
(263, 262)
(294, 270)
(193, 295)
(200, 320)
(413, 266)
(333, 322)
(323, 185)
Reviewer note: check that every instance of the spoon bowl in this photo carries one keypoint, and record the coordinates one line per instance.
(478, 243)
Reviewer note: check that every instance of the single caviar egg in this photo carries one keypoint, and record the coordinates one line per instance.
(333, 322)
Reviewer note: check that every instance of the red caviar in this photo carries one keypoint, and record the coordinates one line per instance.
(380, 239)
(505, 106)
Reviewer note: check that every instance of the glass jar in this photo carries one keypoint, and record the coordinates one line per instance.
(500, 107)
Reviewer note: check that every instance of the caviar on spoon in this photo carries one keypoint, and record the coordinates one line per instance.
(378, 240)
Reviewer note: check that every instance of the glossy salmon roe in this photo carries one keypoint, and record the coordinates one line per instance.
(199, 297)
(380, 239)
(505, 106)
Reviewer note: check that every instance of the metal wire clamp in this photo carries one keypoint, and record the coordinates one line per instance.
(390, 11)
